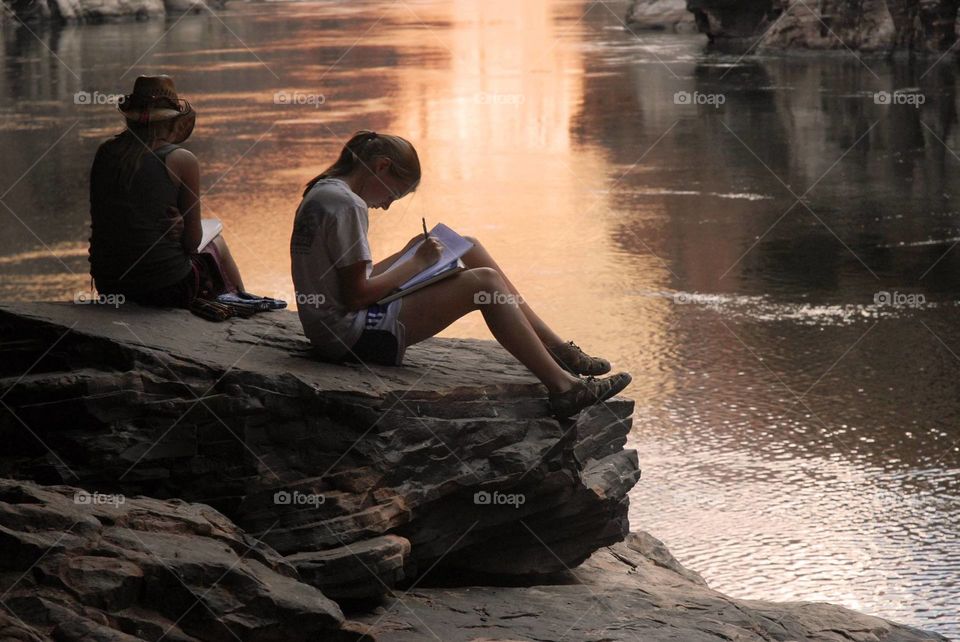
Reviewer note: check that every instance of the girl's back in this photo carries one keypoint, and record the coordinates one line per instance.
(129, 251)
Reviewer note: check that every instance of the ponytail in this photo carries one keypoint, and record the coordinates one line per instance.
(363, 147)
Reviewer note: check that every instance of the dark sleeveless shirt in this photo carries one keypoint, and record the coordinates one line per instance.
(128, 250)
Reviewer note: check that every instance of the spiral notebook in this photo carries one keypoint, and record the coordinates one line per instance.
(449, 263)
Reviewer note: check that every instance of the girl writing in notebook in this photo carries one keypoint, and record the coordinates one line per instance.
(337, 284)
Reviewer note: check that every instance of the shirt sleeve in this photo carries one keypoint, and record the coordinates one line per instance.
(346, 236)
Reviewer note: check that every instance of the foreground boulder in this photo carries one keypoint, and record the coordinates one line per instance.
(631, 591)
(77, 565)
(362, 477)
(82, 566)
(870, 25)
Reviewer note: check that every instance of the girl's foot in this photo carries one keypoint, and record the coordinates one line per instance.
(264, 302)
(574, 360)
(587, 392)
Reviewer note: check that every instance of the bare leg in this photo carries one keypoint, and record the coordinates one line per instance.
(428, 311)
(227, 264)
(479, 257)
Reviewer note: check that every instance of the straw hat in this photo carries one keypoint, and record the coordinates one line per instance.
(154, 99)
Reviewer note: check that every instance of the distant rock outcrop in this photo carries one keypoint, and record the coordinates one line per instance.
(360, 476)
(865, 25)
(78, 11)
(660, 15)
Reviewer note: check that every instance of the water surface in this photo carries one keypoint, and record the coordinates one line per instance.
(798, 434)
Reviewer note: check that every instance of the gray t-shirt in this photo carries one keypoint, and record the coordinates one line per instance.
(329, 232)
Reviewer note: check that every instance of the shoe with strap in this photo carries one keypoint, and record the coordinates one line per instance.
(575, 361)
(587, 392)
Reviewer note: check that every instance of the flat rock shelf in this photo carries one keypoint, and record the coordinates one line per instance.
(168, 477)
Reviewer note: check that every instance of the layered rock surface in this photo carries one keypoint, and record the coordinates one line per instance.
(629, 592)
(361, 476)
(341, 481)
(867, 25)
(80, 566)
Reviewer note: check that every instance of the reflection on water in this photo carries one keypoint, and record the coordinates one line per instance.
(797, 430)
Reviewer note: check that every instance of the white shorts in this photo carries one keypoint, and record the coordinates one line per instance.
(383, 340)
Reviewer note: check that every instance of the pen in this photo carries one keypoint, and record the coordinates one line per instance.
(425, 233)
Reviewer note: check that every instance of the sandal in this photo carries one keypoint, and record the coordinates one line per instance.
(587, 392)
(263, 302)
(575, 361)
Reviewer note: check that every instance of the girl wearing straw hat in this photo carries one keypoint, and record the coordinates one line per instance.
(145, 207)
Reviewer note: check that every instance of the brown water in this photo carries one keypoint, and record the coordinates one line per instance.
(798, 440)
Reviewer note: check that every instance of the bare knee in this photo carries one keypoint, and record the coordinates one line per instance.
(473, 239)
(485, 278)
(483, 282)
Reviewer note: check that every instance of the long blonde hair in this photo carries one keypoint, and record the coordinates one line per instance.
(365, 146)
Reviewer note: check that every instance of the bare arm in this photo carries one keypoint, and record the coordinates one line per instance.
(184, 166)
(385, 264)
(360, 291)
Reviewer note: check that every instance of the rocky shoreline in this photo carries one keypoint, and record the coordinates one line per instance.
(94, 11)
(163, 476)
(877, 26)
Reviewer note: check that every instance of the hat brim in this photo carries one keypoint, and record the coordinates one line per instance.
(153, 114)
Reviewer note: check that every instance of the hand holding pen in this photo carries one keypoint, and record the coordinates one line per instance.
(430, 250)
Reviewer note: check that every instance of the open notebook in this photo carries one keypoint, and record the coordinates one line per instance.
(454, 246)
(211, 227)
